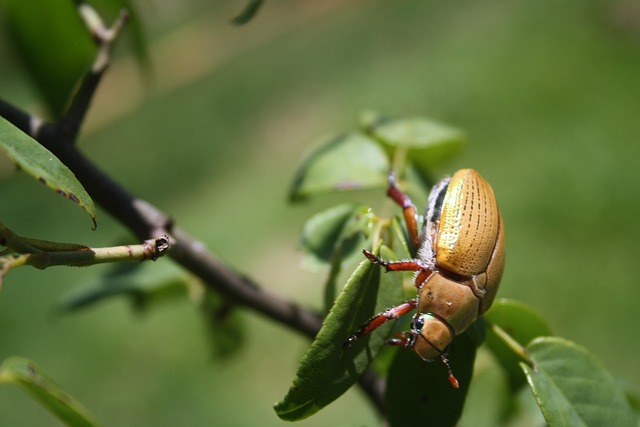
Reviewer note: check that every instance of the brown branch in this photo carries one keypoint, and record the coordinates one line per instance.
(146, 221)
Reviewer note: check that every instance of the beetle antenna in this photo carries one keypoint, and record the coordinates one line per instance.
(452, 379)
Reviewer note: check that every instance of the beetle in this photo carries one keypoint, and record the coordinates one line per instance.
(459, 263)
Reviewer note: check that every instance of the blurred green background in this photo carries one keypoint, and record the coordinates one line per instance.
(548, 93)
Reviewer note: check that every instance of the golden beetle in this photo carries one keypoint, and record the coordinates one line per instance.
(459, 264)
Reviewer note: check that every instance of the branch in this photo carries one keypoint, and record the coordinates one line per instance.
(104, 37)
(42, 254)
(146, 221)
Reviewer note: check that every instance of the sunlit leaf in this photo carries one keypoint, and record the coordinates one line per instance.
(428, 143)
(41, 164)
(328, 369)
(33, 380)
(572, 387)
(350, 161)
(424, 386)
(520, 322)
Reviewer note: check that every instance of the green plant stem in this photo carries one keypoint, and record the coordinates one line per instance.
(84, 256)
(514, 345)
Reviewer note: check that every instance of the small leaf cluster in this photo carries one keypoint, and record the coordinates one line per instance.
(569, 385)
(53, 74)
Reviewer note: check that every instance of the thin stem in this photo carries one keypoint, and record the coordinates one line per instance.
(104, 38)
(77, 255)
(514, 345)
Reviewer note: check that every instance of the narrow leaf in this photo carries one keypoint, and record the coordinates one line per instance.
(520, 322)
(633, 396)
(248, 13)
(31, 378)
(225, 328)
(143, 284)
(428, 143)
(349, 161)
(328, 369)
(40, 163)
(572, 387)
(400, 240)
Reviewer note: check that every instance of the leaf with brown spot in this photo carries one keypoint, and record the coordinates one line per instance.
(40, 163)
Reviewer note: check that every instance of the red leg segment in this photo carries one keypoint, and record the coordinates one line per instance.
(411, 265)
(452, 379)
(380, 319)
(408, 209)
(405, 339)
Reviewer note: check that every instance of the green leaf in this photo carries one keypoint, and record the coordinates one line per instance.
(142, 283)
(334, 239)
(419, 390)
(248, 13)
(40, 163)
(489, 396)
(572, 387)
(428, 143)
(328, 369)
(329, 230)
(350, 161)
(54, 46)
(520, 322)
(633, 396)
(400, 239)
(33, 380)
(225, 328)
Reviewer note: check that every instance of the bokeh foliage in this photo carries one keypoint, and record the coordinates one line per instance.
(546, 91)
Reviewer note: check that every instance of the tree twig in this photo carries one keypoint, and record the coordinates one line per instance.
(146, 221)
(41, 254)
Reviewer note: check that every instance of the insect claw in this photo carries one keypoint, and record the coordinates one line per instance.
(392, 178)
(349, 341)
(452, 379)
(373, 258)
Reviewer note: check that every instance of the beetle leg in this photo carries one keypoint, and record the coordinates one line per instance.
(408, 209)
(404, 340)
(380, 319)
(410, 265)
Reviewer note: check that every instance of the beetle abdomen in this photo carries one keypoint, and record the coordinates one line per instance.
(468, 227)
